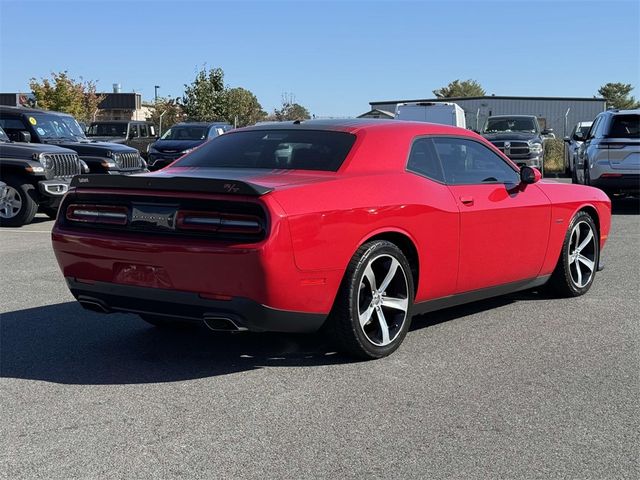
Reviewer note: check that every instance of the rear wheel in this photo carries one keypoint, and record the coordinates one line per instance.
(587, 174)
(579, 258)
(372, 312)
(17, 204)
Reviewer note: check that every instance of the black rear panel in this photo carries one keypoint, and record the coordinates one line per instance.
(160, 216)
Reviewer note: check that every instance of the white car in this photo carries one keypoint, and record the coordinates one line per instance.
(573, 141)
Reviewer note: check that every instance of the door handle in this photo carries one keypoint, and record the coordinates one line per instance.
(467, 200)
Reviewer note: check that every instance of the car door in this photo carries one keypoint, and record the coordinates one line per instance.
(504, 225)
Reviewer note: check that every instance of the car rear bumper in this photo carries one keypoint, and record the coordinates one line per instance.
(626, 182)
(243, 313)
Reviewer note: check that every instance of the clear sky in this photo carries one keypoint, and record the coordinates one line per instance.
(334, 57)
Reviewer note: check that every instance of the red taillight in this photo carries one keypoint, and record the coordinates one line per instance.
(218, 222)
(105, 214)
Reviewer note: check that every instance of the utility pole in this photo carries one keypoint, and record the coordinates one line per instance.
(156, 87)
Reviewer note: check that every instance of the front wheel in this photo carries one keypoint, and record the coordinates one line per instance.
(372, 311)
(578, 262)
(17, 203)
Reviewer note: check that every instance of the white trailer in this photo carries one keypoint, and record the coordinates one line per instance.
(445, 113)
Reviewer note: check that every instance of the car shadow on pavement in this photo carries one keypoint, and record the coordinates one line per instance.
(64, 343)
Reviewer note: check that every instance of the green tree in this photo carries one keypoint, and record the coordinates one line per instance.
(64, 94)
(618, 95)
(290, 110)
(458, 88)
(204, 98)
(171, 112)
(243, 106)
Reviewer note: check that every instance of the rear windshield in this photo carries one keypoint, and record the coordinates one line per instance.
(274, 149)
(625, 126)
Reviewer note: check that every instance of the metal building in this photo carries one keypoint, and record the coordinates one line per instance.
(559, 113)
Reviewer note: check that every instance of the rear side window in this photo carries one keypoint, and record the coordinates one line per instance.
(133, 130)
(143, 130)
(423, 160)
(625, 126)
(468, 162)
(273, 149)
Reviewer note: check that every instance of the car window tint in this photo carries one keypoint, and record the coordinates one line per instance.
(144, 132)
(423, 160)
(270, 149)
(12, 124)
(469, 162)
(133, 130)
(625, 126)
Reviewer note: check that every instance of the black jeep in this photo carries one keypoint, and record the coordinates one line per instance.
(36, 178)
(39, 126)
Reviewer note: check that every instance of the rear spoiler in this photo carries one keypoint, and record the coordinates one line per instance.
(182, 184)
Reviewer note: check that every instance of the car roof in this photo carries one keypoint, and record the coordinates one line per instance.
(199, 124)
(512, 116)
(26, 110)
(354, 125)
(623, 112)
(120, 121)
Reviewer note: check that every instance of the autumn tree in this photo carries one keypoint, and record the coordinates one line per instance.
(242, 107)
(204, 98)
(64, 94)
(458, 88)
(171, 112)
(618, 95)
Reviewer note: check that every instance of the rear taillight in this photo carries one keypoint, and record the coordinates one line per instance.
(103, 214)
(612, 146)
(219, 222)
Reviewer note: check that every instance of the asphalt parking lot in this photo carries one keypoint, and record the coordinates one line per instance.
(522, 386)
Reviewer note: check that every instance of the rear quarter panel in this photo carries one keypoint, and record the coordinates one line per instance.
(329, 221)
(566, 201)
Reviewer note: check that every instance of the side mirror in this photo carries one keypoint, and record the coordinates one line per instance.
(547, 131)
(566, 139)
(529, 175)
(24, 136)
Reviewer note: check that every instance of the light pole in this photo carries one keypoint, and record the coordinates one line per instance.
(156, 87)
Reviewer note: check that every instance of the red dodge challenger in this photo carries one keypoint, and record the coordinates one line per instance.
(352, 226)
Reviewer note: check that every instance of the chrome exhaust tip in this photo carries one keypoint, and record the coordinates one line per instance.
(94, 305)
(222, 324)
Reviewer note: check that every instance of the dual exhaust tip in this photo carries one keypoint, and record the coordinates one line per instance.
(215, 323)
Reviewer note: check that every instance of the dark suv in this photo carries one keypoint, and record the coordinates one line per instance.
(181, 139)
(134, 133)
(39, 126)
(36, 178)
(519, 137)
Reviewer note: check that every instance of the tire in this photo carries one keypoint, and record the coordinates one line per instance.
(363, 294)
(51, 212)
(165, 322)
(587, 174)
(18, 205)
(568, 278)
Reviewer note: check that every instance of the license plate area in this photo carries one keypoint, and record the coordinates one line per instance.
(147, 216)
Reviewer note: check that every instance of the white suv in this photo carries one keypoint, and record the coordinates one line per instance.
(609, 158)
